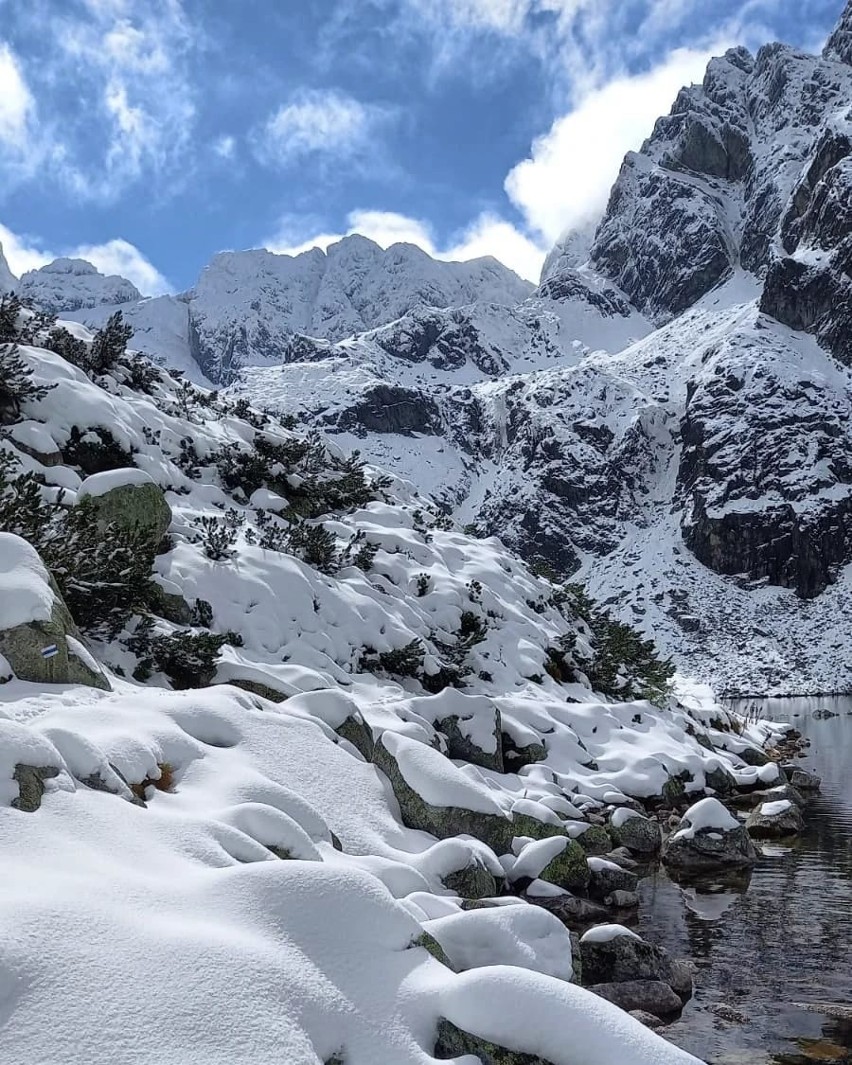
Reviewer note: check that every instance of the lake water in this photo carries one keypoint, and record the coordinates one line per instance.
(783, 938)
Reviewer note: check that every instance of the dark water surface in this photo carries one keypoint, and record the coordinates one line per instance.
(783, 938)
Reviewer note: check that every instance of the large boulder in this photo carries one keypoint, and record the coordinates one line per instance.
(436, 797)
(772, 820)
(640, 835)
(653, 997)
(557, 860)
(130, 499)
(613, 954)
(708, 837)
(38, 636)
(606, 877)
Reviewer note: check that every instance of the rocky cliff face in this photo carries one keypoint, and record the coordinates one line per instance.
(73, 285)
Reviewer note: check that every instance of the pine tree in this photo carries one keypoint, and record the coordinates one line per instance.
(109, 344)
(16, 384)
(10, 309)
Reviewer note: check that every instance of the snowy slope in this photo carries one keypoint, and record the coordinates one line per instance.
(235, 954)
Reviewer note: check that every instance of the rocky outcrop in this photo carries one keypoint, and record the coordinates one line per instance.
(773, 820)
(40, 641)
(708, 838)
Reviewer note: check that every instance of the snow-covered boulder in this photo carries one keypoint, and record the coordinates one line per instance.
(639, 834)
(606, 877)
(521, 935)
(613, 954)
(774, 819)
(708, 837)
(129, 498)
(27, 760)
(435, 796)
(38, 637)
(557, 860)
(471, 724)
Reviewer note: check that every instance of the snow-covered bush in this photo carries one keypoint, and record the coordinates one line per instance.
(109, 344)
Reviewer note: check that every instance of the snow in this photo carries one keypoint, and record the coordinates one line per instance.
(606, 933)
(101, 483)
(775, 809)
(536, 856)
(564, 1024)
(525, 936)
(25, 592)
(622, 815)
(706, 814)
(435, 779)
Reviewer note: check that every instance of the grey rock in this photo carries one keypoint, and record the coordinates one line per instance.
(30, 780)
(640, 835)
(453, 1042)
(709, 849)
(603, 882)
(357, 732)
(788, 822)
(649, 996)
(801, 779)
(622, 900)
(142, 507)
(571, 911)
(627, 958)
(648, 1019)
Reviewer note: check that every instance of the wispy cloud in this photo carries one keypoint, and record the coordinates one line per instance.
(320, 123)
(113, 90)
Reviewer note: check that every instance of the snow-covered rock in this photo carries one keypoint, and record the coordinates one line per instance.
(73, 285)
(708, 837)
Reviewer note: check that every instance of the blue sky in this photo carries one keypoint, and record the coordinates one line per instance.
(148, 134)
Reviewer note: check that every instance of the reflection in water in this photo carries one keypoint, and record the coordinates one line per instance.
(783, 938)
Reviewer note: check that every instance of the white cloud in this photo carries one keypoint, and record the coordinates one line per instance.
(24, 252)
(124, 65)
(568, 176)
(487, 235)
(225, 147)
(16, 102)
(317, 122)
(119, 256)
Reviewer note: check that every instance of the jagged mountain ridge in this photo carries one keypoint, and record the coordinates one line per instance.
(584, 439)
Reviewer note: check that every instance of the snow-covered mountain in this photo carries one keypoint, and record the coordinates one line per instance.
(665, 416)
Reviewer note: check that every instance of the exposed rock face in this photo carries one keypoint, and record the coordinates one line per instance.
(719, 173)
(652, 997)
(453, 1043)
(839, 45)
(624, 957)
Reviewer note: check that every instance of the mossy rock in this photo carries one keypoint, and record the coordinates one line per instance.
(140, 506)
(754, 756)
(474, 881)
(526, 825)
(595, 840)
(568, 870)
(257, 687)
(30, 780)
(463, 748)
(443, 821)
(356, 731)
(674, 789)
(23, 645)
(434, 947)
(453, 1042)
